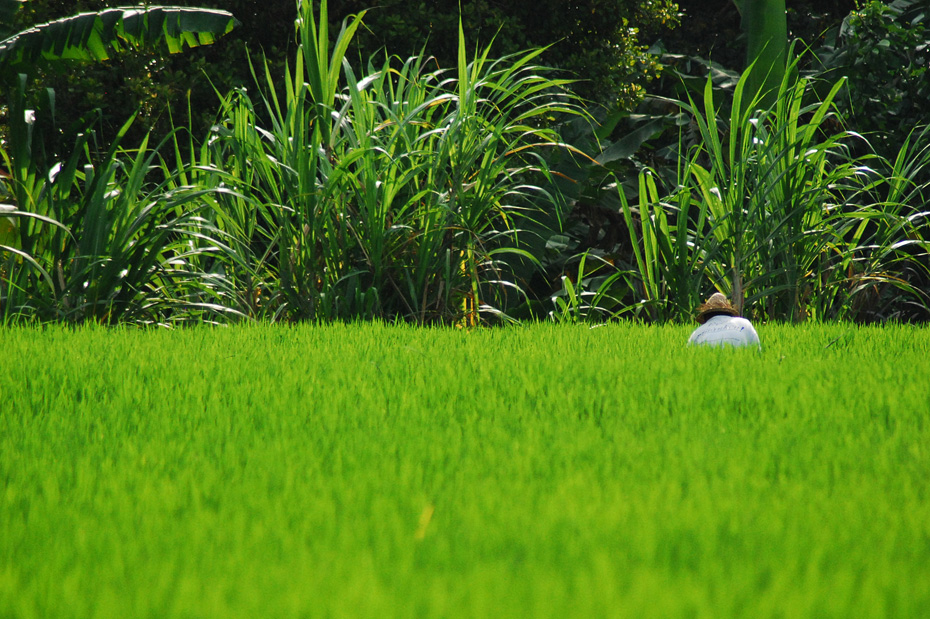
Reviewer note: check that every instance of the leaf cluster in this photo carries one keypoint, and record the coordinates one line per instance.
(396, 193)
(603, 43)
(884, 51)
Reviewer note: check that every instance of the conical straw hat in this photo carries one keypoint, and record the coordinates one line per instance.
(716, 305)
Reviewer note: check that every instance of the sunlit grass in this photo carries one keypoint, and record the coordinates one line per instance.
(370, 470)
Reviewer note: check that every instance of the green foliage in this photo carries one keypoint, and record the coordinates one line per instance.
(378, 471)
(774, 205)
(591, 40)
(603, 43)
(712, 29)
(399, 195)
(148, 81)
(90, 242)
(766, 28)
(792, 211)
(403, 191)
(102, 242)
(71, 40)
(8, 10)
(884, 51)
(769, 189)
(590, 294)
(96, 36)
(671, 249)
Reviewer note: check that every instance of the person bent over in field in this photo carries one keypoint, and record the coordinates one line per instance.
(722, 325)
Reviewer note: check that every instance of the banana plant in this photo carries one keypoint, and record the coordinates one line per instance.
(97, 36)
(766, 28)
(84, 37)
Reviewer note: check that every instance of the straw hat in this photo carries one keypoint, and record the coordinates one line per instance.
(716, 305)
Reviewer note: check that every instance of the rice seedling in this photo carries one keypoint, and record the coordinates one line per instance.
(373, 470)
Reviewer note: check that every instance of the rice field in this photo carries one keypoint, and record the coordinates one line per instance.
(391, 471)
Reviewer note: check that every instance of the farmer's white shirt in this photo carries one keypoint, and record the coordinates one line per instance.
(723, 330)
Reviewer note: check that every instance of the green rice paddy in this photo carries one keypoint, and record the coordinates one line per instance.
(540, 471)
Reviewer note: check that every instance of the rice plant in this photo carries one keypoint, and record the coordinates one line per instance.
(391, 471)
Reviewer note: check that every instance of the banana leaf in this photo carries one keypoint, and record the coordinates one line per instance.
(97, 36)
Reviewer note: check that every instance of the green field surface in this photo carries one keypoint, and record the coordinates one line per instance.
(391, 471)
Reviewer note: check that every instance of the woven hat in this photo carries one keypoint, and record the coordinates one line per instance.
(716, 305)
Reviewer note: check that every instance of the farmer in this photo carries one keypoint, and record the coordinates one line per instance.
(721, 324)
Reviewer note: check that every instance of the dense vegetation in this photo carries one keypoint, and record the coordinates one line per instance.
(602, 42)
(357, 175)
(479, 187)
(552, 471)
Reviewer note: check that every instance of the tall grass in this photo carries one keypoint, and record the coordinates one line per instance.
(773, 209)
(398, 195)
(771, 190)
(669, 274)
(404, 191)
(99, 237)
